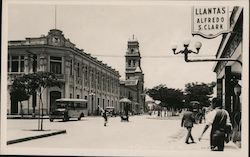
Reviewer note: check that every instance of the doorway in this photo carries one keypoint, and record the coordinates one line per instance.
(14, 106)
(53, 96)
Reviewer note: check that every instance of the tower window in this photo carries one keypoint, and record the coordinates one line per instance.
(133, 63)
(129, 63)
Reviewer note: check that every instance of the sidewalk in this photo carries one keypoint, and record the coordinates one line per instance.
(178, 140)
(25, 117)
(204, 144)
(23, 131)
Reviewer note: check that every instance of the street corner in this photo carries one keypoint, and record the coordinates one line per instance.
(27, 135)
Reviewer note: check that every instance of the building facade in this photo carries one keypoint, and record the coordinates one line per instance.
(83, 76)
(229, 73)
(133, 86)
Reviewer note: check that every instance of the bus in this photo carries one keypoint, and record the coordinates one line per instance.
(65, 109)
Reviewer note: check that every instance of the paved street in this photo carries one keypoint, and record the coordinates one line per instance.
(141, 133)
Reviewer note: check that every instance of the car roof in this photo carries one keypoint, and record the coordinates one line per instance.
(110, 107)
(70, 100)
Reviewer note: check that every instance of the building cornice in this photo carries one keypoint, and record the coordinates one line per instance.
(66, 45)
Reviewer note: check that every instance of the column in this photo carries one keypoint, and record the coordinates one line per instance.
(228, 89)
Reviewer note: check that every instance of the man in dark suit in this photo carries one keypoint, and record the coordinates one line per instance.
(188, 121)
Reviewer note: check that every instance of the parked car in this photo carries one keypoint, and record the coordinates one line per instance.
(110, 111)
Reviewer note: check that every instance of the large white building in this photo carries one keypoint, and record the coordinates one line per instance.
(83, 76)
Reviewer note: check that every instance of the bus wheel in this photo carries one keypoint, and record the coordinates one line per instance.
(51, 120)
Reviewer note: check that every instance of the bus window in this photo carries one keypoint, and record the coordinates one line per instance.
(60, 105)
(78, 105)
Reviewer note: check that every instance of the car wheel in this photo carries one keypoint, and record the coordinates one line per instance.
(82, 115)
(66, 118)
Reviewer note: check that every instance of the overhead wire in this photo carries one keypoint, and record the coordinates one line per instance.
(118, 56)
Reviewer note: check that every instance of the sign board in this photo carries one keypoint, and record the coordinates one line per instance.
(209, 21)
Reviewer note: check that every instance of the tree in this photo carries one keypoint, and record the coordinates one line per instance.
(200, 92)
(37, 83)
(19, 91)
(169, 97)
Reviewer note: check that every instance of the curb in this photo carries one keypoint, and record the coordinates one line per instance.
(35, 137)
(19, 117)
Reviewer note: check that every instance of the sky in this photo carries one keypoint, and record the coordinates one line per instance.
(104, 30)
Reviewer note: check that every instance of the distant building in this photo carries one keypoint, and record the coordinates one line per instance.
(133, 86)
(83, 75)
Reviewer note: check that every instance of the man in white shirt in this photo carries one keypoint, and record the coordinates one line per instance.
(220, 121)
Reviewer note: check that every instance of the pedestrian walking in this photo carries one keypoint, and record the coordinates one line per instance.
(104, 115)
(203, 115)
(219, 119)
(188, 122)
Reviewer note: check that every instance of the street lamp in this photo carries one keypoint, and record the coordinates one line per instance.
(186, 51)
(198, 45)
(92, 99)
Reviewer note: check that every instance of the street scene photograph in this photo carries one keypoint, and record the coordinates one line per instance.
(124, 78)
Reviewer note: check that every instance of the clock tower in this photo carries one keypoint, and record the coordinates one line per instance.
(134, 75)
(133, 61)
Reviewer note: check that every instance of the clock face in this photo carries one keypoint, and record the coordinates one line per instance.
(55, 40)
